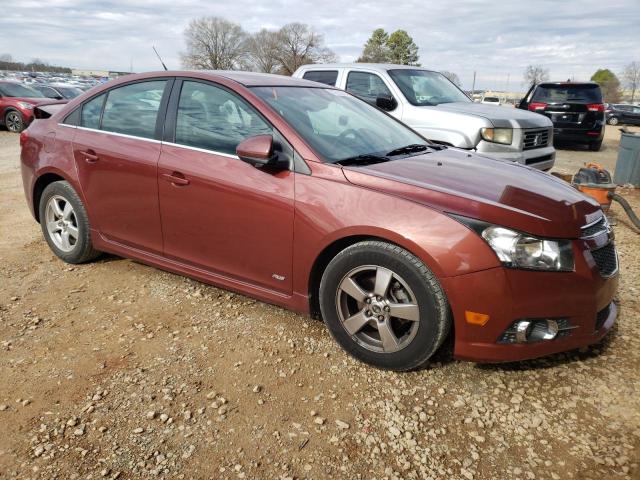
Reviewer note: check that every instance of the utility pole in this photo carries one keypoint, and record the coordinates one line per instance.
(473, 87)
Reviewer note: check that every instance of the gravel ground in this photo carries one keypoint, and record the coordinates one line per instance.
(117, 370)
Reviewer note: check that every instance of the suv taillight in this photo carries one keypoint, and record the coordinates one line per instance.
(24, 136)
(533, 106)
(595, 107)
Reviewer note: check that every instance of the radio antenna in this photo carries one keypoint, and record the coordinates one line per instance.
(158, 55)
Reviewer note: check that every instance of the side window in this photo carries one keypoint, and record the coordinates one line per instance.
(367, 86)
(133, 109)
(328, 77)
(91, 110)
(212, 118)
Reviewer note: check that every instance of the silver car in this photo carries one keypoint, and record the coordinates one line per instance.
(437, 109)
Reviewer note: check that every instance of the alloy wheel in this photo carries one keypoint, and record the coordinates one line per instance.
(378, 309)
(13, 122)
(62, 224)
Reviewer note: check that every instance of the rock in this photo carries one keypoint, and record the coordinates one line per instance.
(79, 431)
(4, 407)
(151, 415)
(138, 430)
(394, 431)
(257, 389)
(342, 425)
(319, 420)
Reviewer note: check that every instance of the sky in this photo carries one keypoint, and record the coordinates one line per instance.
(497, 40)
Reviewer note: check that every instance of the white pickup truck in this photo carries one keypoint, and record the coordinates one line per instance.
(437, 109)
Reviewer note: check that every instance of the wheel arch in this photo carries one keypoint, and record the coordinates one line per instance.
(40, 184)
(332, 249)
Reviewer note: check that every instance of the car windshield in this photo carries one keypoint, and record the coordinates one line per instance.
(588, 93)
(69, 92)
(9, 89)
(337, 125)
(425, 88)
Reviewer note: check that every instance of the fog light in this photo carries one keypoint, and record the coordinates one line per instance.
(536, 330)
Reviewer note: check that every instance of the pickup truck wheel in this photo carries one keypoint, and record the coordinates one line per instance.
(13, 121)
(384, 306)
(65, 224)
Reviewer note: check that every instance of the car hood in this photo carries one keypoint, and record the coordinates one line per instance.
(471, 185)
(34, 101)
(500, 117)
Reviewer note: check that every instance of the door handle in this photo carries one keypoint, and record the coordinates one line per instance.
(89, 156)
(175, 178)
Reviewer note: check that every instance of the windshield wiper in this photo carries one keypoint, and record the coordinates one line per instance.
(365, 159)
(414, 147)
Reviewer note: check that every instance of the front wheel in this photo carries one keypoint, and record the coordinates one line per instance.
(14, 122)
(65, 224)
(613, 121)
(384, 306)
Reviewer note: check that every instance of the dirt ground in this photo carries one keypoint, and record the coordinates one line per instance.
(117, 370)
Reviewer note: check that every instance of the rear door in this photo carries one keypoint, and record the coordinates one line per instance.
(219, 213)
(116, 150)
(570, 106)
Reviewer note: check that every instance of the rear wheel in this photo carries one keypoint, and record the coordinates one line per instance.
(384, 306)
(13, 121)
(65, 224)
(595, 146)
(613, 121)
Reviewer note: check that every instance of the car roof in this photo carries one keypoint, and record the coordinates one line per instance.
(380, 67)
(542, 84)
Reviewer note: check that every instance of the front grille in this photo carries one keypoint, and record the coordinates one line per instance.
(601, 317)
(535, 138)
(606, 260)
(595, 228)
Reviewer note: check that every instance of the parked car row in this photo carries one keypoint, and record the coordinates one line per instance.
(616, 113)
(302, 195)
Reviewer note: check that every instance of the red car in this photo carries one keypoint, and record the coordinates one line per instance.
(304, 196)
(16, 105)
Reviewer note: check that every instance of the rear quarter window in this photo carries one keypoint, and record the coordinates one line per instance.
(567, 94)
(328, 77)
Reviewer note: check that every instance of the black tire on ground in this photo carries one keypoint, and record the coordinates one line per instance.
(13, 121)
(613, 121)
(82, 249)
(434, 314)
(595, 146)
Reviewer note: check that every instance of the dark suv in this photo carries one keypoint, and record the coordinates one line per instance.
(575, 108)
(616, 113)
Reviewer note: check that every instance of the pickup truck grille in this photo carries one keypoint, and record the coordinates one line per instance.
(535, 138)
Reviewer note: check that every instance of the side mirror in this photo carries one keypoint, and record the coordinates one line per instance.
(386, 102)
(258, 151)
(59, 97)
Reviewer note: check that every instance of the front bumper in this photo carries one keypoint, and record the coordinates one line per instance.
(538, 158)
(507, 295)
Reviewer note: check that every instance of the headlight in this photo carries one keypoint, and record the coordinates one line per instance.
(519, 250)
(497, 135)
(25, 105)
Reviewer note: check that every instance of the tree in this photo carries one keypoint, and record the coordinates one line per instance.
(264, 51)
(631, 78)
(609, 84)
(214, 43)
(535, 74)
(376, 49)
(299, 45)
(5, 57)
(452, 76)
(402, 48)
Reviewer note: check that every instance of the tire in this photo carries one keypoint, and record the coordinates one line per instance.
(595, 146)
(613, 121)
(370, 308)
(13, 121)
(68, 221)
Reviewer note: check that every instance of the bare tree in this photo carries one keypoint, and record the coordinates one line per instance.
(5, 57)
(215, 43)
(299, 44)
(452, 76)
(264, 48)
(535, 74)
(631, 78)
